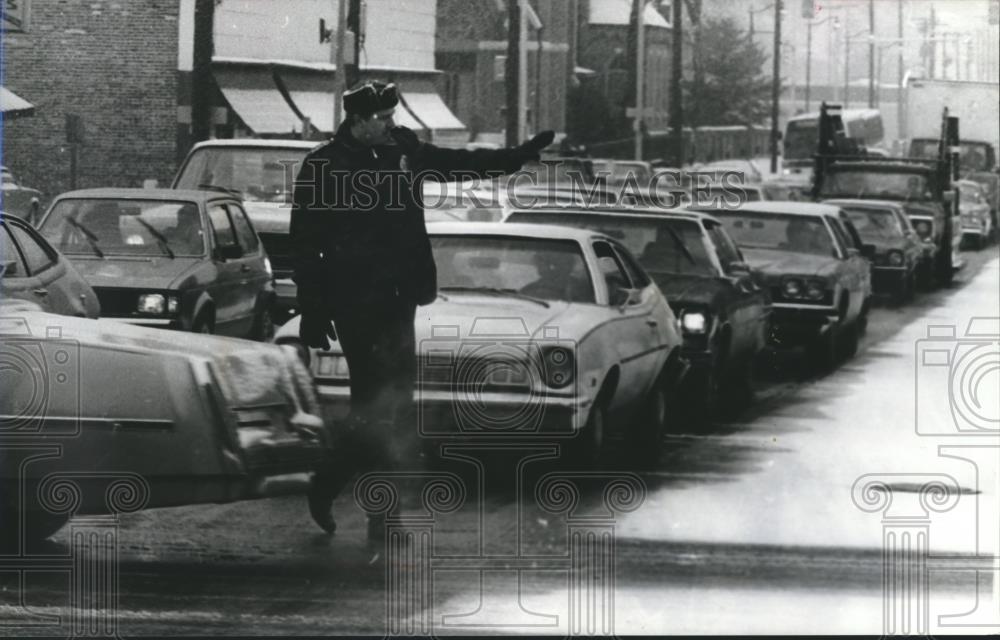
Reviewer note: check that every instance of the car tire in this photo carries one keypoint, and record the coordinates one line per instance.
(202, 325)
(587, 447)
(263, 325)
(850, 341)
(645, 439)
(741, 385)
(823, 352)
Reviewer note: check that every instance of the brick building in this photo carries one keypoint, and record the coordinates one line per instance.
(113, 64)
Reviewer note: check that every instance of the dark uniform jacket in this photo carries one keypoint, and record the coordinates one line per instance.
(357, 227)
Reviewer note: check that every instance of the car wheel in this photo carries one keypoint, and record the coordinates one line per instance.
(703, 389)
(862, 321)
(850, 341)
(741, 384)
(646, 436)
(588, 445)
(263, 326)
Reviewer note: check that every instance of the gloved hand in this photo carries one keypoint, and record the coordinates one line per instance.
(314, 331)
(406, 139)
(530, 150)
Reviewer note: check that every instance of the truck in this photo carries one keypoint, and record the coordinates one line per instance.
(924, 186)
(977, 104)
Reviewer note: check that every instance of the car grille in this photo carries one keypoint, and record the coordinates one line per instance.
(778, 295)
(117, 302)
(475, 374)
(279, 251)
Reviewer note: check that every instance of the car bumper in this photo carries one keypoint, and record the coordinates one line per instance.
(793, 325)
(888, 279)
(159, 323)
(445, 413)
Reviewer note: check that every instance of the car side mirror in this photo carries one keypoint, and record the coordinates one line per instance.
(8, 268)
(868, 251)
(739, 269)
(622, 296)
(228, 252)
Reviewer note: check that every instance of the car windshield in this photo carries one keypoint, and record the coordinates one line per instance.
(875, 224)
(663, 245)
(540, 268)
(261, 174)
(782, 232)
(972, 156)
(859, 183)
(125, 227)
(715, 194)
(800, 139)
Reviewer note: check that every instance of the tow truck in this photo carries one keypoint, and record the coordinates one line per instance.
(924, 186)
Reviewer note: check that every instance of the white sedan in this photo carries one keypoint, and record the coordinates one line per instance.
(538, 331)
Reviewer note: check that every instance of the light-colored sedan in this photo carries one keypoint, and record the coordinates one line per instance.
(538, 332)
(102, 417)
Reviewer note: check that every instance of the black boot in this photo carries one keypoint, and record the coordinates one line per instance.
(321, 506)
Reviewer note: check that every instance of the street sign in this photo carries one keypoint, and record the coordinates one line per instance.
(15, 15)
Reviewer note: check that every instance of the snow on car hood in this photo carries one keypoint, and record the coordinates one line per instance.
(148, 273)
(779, 263)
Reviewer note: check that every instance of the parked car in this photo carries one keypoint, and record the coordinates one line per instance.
(723, 313)
(539, 332)
(617, 172)
(747, 168)
(261, 173)
(896, 249)
(810, 258)
(142, 420)
(18, 200)
(187, 260)
(31, 270)
(974, 209)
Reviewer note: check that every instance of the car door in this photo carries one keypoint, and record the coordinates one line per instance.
(226, 256)
(255, 279)
(855, 272)
(746, 304)
(628, 332)
(16, 281)
(59, 286)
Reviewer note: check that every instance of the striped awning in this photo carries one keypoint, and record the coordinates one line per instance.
(12, 104)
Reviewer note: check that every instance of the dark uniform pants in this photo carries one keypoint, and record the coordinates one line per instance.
(376, 334)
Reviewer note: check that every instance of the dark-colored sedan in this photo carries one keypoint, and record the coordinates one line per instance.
(811, 261)
(723, 313)
(31, 270)
(895, 249)
(187, 260)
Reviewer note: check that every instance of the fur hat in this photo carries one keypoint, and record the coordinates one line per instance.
(370, 97)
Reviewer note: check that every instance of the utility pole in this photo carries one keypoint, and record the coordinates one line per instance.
(340, 6)
(640, 74)
(676, 110)
(900, 89)
(522, 70)
(932, 30)
(871, 54)
(775, 86)
(809, 51)
(511, 80)
(355, 25)
(847, 69)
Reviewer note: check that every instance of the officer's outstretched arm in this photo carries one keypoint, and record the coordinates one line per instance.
(458, 164)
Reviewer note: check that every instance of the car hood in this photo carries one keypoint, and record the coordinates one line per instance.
(152, 273)
(922, 209)
(269, 217)
(780, 263)
(251, 373)
(681, 290)
(458, 317)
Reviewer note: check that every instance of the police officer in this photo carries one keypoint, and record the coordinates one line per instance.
(363, 261)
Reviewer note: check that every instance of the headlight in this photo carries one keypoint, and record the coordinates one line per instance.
(792, 288)
(267, 267)
(694, 322)
(152, 303)
(816, 290)
(896, 258)
(559, 366)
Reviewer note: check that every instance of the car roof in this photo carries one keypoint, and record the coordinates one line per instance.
(258, 142)
(863, 202)
(634, 212)
(527, 230)
(791, 208)
(166, 195)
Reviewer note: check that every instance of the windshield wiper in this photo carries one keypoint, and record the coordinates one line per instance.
(681, 245)
(217, 187)
(500, 292)
(88, 234)
(160, 238)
